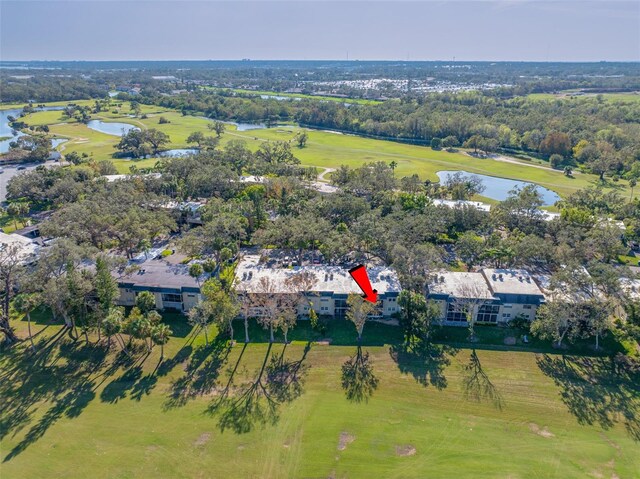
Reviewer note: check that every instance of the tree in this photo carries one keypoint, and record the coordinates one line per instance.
(17, 211)
(556, 320)
(10, 267)
(221, 304)
(112, 325)
(24, 304)
(470, 248)
(556, 160)
(301, 139)
(556, 142)
(196, 271)
(393, 165)
(218, 127)
(470, 298)
(568, 171)
(358, 312)
(160, 335)
(200, 316)
(146, 301)
(436, 143)
(416, 316)
(276, 302)
(632, 184)
(461, 187)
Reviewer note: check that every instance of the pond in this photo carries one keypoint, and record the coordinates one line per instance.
(7, 134)
(175, 153)
(111, 128)
(280, 98)
(498, 188)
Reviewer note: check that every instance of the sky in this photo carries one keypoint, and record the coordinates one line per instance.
(539, 30)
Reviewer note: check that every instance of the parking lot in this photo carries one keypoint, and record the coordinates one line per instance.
(9, 171)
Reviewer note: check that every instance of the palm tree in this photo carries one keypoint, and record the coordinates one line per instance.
(160, 336)
(145, 245)
(393, 166)
(568, 171)
(25, 303)
(632, 183)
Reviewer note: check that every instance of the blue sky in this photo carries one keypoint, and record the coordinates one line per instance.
(416, 30)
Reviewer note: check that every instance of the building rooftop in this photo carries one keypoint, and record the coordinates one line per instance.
(26, 249)
(511, 281)
(631, 287)
(460, 285)
(334, 279)
(158, 273)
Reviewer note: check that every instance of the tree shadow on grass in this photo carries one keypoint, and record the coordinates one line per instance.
(477, 385)
(201, 374)
(426, 362)
(595, 391)
(358, 379)
(64, 387)
(278, 381)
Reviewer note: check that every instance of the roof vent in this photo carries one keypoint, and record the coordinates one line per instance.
(493, 276)
(244, 275)
(520, 278)
(528, 279)
(500, 276)
(326, 277)
(442, 279)
(250, 275)
(331, 277)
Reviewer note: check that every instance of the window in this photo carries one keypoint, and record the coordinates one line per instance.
(456, 313)
(526, 306)
(171, 298)
(508, 306)
(324, 308)
(488, 313)
(505, 315)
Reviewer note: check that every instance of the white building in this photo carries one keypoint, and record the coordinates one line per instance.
(25, 249)
(497, 295)
(333, 284)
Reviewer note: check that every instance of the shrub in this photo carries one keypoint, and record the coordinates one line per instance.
(166, 252)
(163, 120)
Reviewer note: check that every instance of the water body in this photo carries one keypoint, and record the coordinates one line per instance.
(280, 98)
(57, 142)
(175, 153)
(111, 128)
(7, 131)
(498, 188)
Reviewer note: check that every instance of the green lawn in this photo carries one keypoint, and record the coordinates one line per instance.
(630, 97)
(324, 149)
(360, 101)
(455, 412)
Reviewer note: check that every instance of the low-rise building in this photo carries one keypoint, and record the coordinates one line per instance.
(24, 249)
(171, 284)
(332, 285)
(493, 295)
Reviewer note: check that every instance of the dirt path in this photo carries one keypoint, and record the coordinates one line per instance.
(513, 161)
(321, 176)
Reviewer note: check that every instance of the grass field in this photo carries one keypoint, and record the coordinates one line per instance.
(631, 97)
(456, 412)
(324, 149)
(360, 101)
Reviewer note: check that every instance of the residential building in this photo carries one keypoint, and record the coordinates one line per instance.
(171, 284)
(495, 295)
(333, 284)
(24, 249)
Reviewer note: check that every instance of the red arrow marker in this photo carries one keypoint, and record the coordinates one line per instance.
(360, 276)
